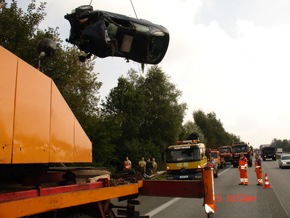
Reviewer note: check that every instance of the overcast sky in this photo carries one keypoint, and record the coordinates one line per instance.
(230, 57)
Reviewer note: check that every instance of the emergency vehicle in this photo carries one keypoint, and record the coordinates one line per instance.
(226, 153)
(40, 135)
(237, 149)
(185, 160)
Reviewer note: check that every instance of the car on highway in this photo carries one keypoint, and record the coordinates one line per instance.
(284, 161)
(107, 34)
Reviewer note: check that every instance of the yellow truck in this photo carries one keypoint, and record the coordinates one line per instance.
(185, 160)
(39, 134)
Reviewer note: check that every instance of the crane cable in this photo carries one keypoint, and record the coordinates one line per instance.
(134, 9)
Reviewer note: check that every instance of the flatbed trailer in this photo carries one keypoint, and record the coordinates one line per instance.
(93, 199)
(39, 130)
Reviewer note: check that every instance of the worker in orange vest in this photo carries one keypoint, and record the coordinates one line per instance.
(243, 166)
(258, 169)
(127, 164)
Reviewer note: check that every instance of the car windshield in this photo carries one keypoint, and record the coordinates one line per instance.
(224, 150)
(214, 155)
(178, 155)
(269, 149)
(285, 158)
(239, 149)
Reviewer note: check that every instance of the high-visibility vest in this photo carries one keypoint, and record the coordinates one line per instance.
(127, 165)
(257, 166)
(243, 162)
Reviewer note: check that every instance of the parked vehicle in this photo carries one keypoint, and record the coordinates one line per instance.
(106, 34)
(185, 160)
(226, 153)
(284, 161)
(39, 133)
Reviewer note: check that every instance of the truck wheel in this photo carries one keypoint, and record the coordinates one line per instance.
(79, 215)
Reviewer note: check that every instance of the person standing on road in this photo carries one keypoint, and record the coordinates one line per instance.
(258, 169)
(243, 166)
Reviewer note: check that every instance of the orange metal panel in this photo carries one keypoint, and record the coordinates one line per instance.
(62, 129)
(32, 116)
(83, 146)
(36, 124)
(27, 207)
(8, 66)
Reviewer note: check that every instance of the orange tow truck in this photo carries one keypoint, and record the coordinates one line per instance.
(226, 153)
(40, 134)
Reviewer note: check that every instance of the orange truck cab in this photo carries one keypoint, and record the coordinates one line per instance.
(226, 154)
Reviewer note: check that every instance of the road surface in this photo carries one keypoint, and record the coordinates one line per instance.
(232, 200)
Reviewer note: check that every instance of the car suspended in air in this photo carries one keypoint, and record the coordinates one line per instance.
(107, 34)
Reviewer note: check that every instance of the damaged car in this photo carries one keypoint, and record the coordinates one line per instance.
(105, 34)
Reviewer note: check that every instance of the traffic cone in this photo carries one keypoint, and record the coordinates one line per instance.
(267, 184)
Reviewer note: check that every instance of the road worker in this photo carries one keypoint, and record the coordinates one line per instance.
(127, 164)
(258, 169)
(243, 166)
(142, 166)
(212, 163)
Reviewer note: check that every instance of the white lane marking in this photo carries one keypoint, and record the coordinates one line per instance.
(167, 204)
(162, 207)
(224, 171)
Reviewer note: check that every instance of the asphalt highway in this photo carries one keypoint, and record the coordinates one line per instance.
(232, 200)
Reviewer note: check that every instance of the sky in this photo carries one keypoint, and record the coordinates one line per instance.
(230, 57)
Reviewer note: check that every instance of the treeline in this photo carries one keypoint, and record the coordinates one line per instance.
(141, 116)
(284, 144)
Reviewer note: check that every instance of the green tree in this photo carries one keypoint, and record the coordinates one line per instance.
(190, 127)
(149, 113)
(213, 130)
(20, 39)
(284, 144)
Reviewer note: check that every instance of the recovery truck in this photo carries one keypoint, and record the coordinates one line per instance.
(39, 134)
(226, 153)
(185, 160)
(237, 149)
